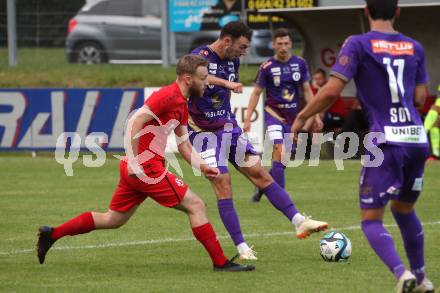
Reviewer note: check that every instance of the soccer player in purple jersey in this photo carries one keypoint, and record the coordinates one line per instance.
(390, 75)
(286, 79)
(217, 137)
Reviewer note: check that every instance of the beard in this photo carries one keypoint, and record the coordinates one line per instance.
(195, 92)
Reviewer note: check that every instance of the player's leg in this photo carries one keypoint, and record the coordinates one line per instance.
(81, 224)
(212, 150)
(122, 206)
(223, 190)
(275, 132)
(194, 207)
(406, 218)
(278, 197)
(277, 171)
(383, 245)
(377, 187)
(413, 239)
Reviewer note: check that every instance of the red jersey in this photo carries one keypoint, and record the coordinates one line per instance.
(170, 109)
(337, 107)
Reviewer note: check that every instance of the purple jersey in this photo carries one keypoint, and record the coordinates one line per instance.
(386, 69)
(213, 109)
(283, 82)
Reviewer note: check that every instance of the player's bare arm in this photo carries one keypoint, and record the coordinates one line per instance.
(134, 126)
(253, 101)
(236, 87)
(420, 95)
(322, 101)
(315, 123)
(190, 155)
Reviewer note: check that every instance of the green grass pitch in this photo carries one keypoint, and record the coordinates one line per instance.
(155, 251)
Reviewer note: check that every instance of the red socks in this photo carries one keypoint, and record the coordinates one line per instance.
(206, 235)
(79, 225)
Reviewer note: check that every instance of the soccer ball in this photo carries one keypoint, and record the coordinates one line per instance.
(335, 246)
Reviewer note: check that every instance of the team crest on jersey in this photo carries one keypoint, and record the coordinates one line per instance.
(216, 101)
(277, 80)
(204, 52)
(287, 96)
(296, 76)
(343, 60)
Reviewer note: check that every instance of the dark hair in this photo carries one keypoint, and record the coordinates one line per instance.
(382, 9)
(188, 64)
(320, 70)
(281, 32)
(236, 29)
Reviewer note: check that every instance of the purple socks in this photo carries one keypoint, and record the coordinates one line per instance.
(383, 244)
(279, 198)
(277, 173)
(412, 233)
(230, 219)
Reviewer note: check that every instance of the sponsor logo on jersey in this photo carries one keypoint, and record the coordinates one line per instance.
(179, 182)
(392, 48)
(216, 101)
(276, 70)
(287, 96)
(295, 67)
(418, 184)
(393, 190)
(212, 68)
(369, 200)
(277, 80)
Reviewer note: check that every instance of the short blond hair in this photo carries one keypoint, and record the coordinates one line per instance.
(188, 64)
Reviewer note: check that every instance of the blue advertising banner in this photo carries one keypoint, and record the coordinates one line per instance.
(197, 15)
(34, 119)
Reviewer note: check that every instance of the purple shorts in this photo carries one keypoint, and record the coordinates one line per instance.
(217, 148)
(399, 177)
(276, 129)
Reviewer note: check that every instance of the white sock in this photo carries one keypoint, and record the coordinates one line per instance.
(298, 219)
(242, 247)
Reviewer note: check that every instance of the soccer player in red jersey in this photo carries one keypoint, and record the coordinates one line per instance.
(142, 172)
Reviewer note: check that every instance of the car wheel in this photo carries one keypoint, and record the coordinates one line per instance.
(90, 53)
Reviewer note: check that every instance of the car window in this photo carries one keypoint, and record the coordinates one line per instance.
(125, 7)
(99, 8)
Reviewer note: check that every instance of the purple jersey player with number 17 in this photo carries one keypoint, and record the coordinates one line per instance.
(390, 75)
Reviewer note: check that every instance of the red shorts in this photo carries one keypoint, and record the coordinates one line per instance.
(132, 191)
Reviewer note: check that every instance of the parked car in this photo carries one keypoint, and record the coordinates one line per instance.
(107, 30)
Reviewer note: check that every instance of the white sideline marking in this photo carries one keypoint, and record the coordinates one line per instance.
(174, 240)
